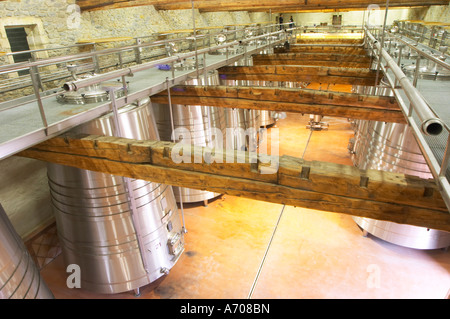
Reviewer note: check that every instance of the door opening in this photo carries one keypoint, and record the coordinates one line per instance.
(17, 37)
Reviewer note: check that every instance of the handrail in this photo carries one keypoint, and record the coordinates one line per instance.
(43, 62)
(423, 53)
(25, 65)
(75, 85)
(271, 38)
(431, 124)
(47, 49)
(434, 33)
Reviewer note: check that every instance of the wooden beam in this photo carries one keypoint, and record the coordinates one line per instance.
(327, 40)
(320, 59)
(296, 48)
(306, 101)
(348, 8)
(286, 180)
(94, 5)
(294, 73)
(249, 5)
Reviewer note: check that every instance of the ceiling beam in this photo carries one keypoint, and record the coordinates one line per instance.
(285, 180)
(303, 48)
(294, 73)
(348, 8)
(337, 41)
(250, 5)
(305, 101)
(288, 5)
(318, 59)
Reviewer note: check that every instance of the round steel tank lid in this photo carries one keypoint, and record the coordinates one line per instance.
(220, 38)
(95, 93)
(92, 94)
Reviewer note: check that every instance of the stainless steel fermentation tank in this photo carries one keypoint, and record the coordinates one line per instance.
(123, 233)
(254, 118)
(246, 123)
(200, 121)
(238, 129)
(392, 147)
(244, 118)
(19, 276)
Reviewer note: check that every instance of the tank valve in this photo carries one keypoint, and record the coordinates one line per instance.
(351, 146)
(164, 271)
(316, 124)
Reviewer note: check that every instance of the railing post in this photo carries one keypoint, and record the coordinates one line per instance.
(446, 159)
(36, 71)
(128, 186)
(172, 126)
(416, 71)
(35, 83)
(137, 51)
(444, 36)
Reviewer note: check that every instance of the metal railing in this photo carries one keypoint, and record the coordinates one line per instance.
(139, 50)
(75, 85)
(136, 51)
(432, 34)
(420, 116)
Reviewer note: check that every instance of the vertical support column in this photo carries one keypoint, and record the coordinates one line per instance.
(36, 71)
(35, 83)
(184, 230)
(444, 36)
(432, 34)
(422, 36)
(399, 60)
(382, 44)
(195, 38)
(416, 71)
(137, 51)
(95, 61)
(128, 187)
(446, 159)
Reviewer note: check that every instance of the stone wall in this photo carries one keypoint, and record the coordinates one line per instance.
(259, 17)
(46, 22)
(437, 13)
(126, 22)
(55, 23)
(217, 18)
(182, 19)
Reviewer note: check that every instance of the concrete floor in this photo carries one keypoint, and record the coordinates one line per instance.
(308, 253)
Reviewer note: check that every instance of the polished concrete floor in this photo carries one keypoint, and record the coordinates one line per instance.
(240, 248)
